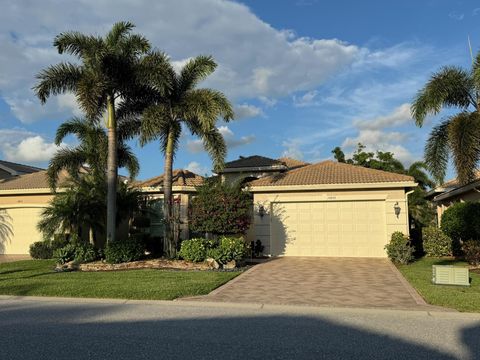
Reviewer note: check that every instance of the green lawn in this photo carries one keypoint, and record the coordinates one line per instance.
(419, 274)
(36, 277)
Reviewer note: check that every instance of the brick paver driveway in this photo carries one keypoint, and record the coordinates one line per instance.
(10, 258)
(349, 282)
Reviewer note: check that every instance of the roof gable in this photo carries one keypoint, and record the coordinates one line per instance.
(330, 172)
(255, 161)
(180, 177)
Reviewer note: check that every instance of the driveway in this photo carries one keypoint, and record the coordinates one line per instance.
(10, 258)
(348, 282)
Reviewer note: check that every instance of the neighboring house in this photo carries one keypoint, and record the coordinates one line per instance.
(22, 199)
(451, 192)
(183, 187)
(9, 169)
(323, 209)
(254, 167)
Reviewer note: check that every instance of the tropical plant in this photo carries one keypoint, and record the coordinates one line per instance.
(182, 104)
(91, 153)
(220, 209)
(82, 205)
(458, 135)
(109, 70)
(399, 249)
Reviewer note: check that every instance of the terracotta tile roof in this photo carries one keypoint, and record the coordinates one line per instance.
(293, 163)
(180, 178)
(454, 182)
(254, 161)
(330, 172)
(36, 180)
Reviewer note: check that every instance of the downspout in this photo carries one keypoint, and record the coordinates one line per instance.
(408, 217)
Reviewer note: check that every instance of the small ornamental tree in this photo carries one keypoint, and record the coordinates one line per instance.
(220, 209)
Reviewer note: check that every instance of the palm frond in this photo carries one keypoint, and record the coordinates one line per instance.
(437, 151)
(216, 147)
(128, 160)
(450, 87)
(119, 31)
(77, 44)
(464, 141)
(57, 79)
(194, 71)
(70, 160)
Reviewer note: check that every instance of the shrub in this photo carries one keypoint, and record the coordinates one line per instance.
(460, 222)
(471, 250)
(228, 249)
(59, 241)
(85, 253)
(124, 251)
(65, 254)
(221, 209)
(436, 243)
(399, 249)
(195, 249)
(232, 248)
(41, 250)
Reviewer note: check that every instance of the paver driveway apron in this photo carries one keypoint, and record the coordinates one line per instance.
(322, 281)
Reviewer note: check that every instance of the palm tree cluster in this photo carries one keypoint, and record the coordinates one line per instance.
(457, 136)
(143, 97)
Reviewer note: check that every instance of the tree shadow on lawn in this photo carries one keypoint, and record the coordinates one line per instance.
(108, 332)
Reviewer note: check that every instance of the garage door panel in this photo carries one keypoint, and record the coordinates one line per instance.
(23, 230)
(341, 228)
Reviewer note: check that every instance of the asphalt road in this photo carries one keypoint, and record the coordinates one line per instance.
(78, 329)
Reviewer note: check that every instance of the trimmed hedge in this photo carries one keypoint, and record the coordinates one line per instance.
(461, 221)
(471, 250)
(41, 250)
(436, 243)
(124, 251)
(223, 250)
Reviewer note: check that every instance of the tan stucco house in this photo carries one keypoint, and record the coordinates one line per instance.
(451, 192)
(23, 197)
(300, 209)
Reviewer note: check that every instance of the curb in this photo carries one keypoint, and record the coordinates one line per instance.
(411, 290)
(296, 309)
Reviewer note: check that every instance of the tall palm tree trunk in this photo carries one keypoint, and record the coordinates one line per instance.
(112, 170)
(169, 247)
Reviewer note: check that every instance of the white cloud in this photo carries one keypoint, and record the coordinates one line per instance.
(31, 149)
(455, 15)
(243, 111)
(197, 168)
(307, 99)
(371, 133)
(292, 149)
(263, 63)
(196, 146)
(400, 116)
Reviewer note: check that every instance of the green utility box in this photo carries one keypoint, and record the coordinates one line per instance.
(450, 275)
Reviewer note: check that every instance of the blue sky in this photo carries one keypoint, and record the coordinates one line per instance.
(304, 75)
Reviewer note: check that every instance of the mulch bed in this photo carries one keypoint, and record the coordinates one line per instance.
(144, 264)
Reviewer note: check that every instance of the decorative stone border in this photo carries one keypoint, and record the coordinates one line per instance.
(144, 264)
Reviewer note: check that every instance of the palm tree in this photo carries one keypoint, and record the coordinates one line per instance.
(417, 171)
(107, 71)
(458, 135)
(91, 151)
(179, 104)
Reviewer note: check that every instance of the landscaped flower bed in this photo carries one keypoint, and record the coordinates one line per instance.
(144, 264)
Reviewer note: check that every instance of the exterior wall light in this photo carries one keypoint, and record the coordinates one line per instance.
(261, 211)
(397, 209)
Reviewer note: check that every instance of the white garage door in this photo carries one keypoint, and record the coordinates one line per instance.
(18, 229)
(339, 228)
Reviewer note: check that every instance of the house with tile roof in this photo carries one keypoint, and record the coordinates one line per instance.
(451, 192)
(300, 209)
